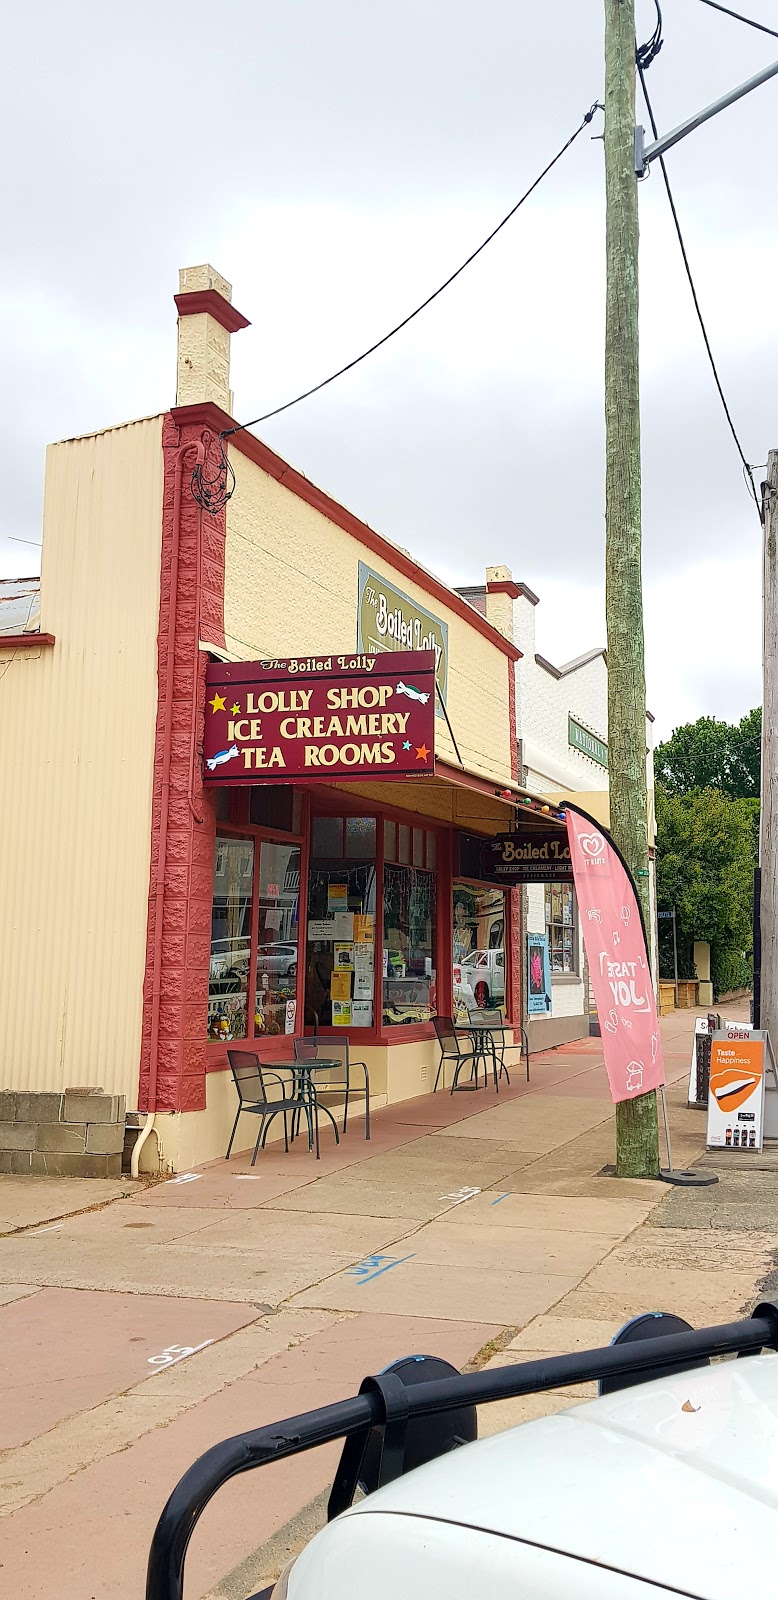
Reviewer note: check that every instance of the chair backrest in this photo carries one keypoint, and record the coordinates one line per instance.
(247, 1072)
(305, 1049)
(486, 1017)
(333, 1047)
(447, 1037)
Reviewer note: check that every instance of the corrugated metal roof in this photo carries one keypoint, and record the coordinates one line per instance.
(20, 605)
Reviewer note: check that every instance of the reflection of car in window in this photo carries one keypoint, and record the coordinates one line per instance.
(483, 971)
(277, 958)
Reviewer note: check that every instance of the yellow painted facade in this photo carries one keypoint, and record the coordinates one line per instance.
(291, 586)
(78, 722)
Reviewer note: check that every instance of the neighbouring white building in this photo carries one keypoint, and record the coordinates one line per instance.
(562, 732)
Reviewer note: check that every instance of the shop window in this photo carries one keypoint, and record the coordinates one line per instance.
(223, 805)
(409, 976)
(327, 838)
(478, 949)
(404, 844)
(360, 838)
(276, 806)
(340, 953)
(233, 880)
(390, 840)
(561, 920)
(278, 936)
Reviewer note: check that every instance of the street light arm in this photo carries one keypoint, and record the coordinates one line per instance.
(646, 153)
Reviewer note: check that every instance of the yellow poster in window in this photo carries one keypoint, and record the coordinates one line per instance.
(363, 928)
(340, 985)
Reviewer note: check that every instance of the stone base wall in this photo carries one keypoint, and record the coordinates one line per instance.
(78, 1134)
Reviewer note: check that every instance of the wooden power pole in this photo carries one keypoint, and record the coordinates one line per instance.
(768, 822)
(637, 1133)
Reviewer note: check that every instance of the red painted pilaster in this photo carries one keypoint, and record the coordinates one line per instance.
(175, 992)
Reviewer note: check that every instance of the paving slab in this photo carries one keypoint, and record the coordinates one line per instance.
(562, 1253)
(559, 1335)
(275, 1261)
(609, 1215)
(417, 1182)
(112, 1507)
(64, 1351)
(537, 1124)
(16, 1291)
(410, 1286)
(29, 1202)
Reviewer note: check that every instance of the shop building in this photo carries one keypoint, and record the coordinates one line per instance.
(162, 911)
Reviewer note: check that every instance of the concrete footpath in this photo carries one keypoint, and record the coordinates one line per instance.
(138, 1326)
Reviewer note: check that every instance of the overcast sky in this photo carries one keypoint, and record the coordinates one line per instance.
(335, 161)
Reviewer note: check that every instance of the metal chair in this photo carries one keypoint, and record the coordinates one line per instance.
(451, 1050)
(331, 1048)
(253, 1083)
(489, 1018)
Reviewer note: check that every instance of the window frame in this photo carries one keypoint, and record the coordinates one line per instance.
(574, 975)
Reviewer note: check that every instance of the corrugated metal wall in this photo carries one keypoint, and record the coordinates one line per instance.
(77, 725)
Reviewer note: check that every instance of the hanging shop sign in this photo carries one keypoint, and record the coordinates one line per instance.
(736, 1097)
(579, 738)
(320, 718)
(388, 620)
(618, 962)
(531, 854)
(538, 975)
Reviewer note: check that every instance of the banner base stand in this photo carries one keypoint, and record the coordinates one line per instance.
(688, 1179)
(683, 1177)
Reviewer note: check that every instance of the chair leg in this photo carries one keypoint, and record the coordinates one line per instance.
(232, 1135)
(259, 1136)
(345, 1106)
(367, 1103)
(286, 1135)
(437, 1075)
(315, 1111)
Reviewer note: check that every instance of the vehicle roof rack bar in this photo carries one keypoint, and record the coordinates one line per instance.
(245, 1451)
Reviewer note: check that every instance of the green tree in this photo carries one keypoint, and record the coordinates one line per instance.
(706, 851)
(709, 754)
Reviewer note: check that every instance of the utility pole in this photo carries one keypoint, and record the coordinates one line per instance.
(768, 821)
(637, 1131)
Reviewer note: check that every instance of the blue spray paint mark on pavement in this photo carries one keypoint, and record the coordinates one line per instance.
(371, 1267)
(501, 1197)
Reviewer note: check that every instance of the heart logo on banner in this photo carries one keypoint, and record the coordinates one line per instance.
(592, 844)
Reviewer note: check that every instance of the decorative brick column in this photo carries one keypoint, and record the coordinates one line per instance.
(175, 994)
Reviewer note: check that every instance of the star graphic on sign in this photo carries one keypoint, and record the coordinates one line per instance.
(218, 703)
(407, 745)
(236, 709)
(421, 752)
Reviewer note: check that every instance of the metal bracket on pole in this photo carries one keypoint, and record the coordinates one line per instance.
(646, 153)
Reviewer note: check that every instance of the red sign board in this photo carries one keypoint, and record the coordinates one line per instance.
(320, 717)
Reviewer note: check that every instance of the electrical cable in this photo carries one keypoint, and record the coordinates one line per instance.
(212, 493)
(648, 52)
(738, 16)
(748, 471)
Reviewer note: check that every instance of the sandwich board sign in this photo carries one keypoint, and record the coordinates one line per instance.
(736, 1099)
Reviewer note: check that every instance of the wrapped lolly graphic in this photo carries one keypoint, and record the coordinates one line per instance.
(411, 693)
(221, 758)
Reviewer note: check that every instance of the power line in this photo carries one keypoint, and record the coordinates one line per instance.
(212, 493)
(748, 472)
(738, 16)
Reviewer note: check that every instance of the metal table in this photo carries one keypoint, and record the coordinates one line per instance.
(483, 1046)
(303, 1075)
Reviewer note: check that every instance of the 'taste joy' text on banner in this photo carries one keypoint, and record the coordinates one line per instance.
(320, 717)
(618, 962)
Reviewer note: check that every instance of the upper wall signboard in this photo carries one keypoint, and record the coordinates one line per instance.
(388, 620)
(320, 718)
(579, 738)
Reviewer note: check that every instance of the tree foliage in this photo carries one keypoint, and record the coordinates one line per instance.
(706, 852)
(709, 754)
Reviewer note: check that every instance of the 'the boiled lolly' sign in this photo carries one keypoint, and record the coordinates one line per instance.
(320, 717)
(618, 962)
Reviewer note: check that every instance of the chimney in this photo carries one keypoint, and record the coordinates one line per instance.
(206, 318)
(501, 591)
